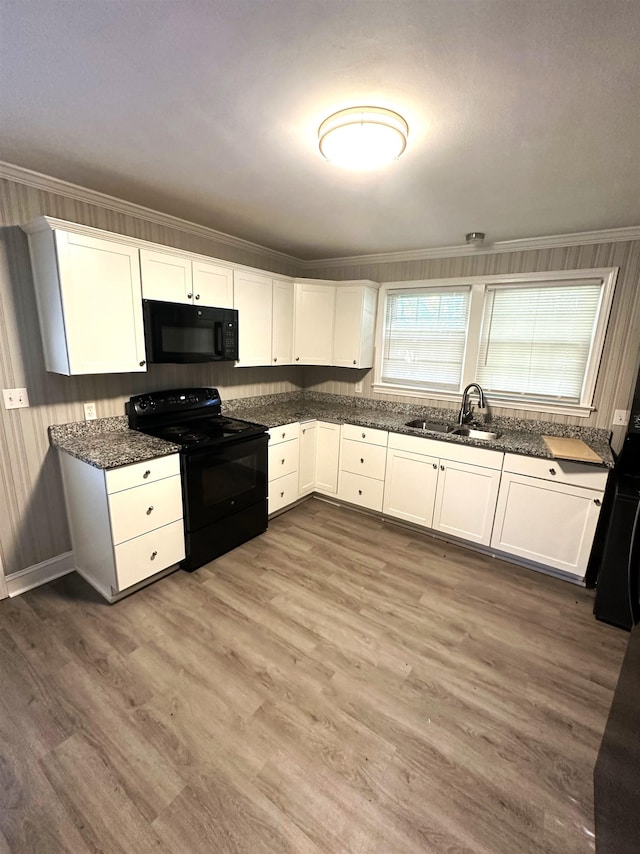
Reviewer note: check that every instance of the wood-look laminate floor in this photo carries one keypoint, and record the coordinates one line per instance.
(336, 686)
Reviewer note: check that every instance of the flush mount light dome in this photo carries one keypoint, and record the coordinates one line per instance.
(363, 137)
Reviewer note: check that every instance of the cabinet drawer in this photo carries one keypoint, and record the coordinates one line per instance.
(143, 508)
(561, 471)
(283, 491)
(364, 491)
(143, 556)
(360, 458)
(283, 458)
(139, 474)
(284, 433)
(364, 434)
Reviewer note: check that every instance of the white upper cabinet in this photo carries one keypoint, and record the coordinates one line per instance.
(212, 284)
(282, 337)
(89, 302)
(252, 297)
(314, 323)
(355, 314)
(165, 277)
(176, 278)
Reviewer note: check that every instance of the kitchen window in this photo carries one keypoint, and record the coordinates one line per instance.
(532, 341)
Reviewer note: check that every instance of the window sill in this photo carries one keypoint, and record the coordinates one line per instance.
(574, 410)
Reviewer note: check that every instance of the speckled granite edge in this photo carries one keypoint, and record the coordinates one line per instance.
(518, 436)
(107, 443)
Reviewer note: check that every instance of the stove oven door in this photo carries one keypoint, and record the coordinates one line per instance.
(222, 480)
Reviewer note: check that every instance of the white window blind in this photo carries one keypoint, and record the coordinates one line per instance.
(424, 337)
(536, 339)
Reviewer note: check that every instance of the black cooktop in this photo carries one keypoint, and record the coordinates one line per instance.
(207, 431)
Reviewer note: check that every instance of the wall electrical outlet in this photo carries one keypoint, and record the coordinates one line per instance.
(90, 412)
(621, 417)
(358, 387)
(15, 398)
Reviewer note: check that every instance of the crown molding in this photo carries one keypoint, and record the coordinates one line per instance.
(48, 184)
(557, 241)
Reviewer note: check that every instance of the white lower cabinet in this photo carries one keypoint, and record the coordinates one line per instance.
(308, 455)
(363, 456)
(548, 511)
(126, 523)
(327, 457)
(284, 455)
(450, 488)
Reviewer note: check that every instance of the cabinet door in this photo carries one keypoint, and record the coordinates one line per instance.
(410, 487)
(282, 338)
(308, 452)
(327, 457)
(252, 297)
(212, 285)
(101, 304)
(165, 277)
(314, 315)
(354, 326)
(549, 523)
(466, 501)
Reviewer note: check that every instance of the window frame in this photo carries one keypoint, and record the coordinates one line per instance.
(606, 276)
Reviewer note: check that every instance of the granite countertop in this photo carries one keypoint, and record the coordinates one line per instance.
(516, 436)
(109, 443)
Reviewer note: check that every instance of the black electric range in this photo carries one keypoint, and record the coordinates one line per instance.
(224, 466)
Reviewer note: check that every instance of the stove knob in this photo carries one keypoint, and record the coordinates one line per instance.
(143, 404)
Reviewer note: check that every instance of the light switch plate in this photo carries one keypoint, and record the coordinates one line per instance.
(15, 398)
(621, 417)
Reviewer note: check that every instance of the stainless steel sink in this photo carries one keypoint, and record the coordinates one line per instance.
(474, 433)
(428, 426)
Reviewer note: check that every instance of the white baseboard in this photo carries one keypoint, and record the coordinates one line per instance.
(33, 576)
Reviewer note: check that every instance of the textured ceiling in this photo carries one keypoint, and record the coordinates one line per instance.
(524, 116)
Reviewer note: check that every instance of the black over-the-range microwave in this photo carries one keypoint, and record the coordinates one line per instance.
(189, 333)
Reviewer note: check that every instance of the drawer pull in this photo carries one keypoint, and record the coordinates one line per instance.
(146, 474)
(354, 361)
(197, 296)
(282, 495)
(362, 459)
(281, 462)
(150, 510)
(189, 296)
(283, 435)
(275, 358)
(297, 358)
(597, 502)
(154, 555)
(364, 435)
(552, 471)
(142, 363)
(441, 468)
(359, 492)
(435, 465)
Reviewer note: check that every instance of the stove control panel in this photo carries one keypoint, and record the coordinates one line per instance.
(174, 400)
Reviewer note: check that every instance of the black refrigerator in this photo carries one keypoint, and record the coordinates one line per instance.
(618, 582)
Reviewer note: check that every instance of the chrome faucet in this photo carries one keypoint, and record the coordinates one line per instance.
(466, 409)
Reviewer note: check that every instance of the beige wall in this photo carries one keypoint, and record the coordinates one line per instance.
(33, 525)
(622, 348)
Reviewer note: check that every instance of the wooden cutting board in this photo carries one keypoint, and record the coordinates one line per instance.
(571, 449)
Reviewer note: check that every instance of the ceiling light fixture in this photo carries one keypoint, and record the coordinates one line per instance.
(363, 137)
(475, 238)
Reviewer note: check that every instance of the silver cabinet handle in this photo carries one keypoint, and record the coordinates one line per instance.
(435, 465)
(282, 462)
(297, 358)
(154, 555)
(441, 468)
(552, 471)
(361, 459)
(354, 361)
(142, 363)
(597, 502)
(364, 435)
(150, 510)
(275, 358)
(197, 296)
(283, 435)
(282, 495)
(359, 492)
(189, 296)
(146, 474)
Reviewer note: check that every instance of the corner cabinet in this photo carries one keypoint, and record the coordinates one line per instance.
(126, 523)
(313, 325)
(89, 301)
(548, 511)
(265, 319)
